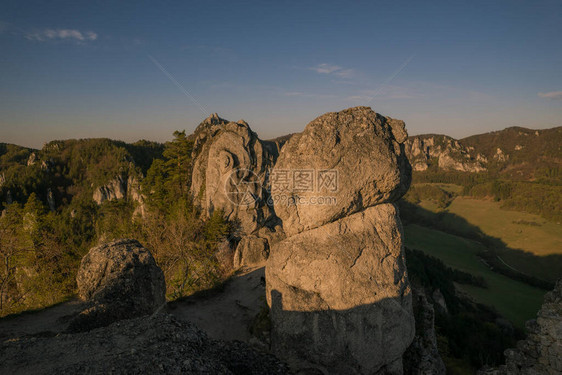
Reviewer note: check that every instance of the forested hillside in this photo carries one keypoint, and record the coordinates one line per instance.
(59, 201)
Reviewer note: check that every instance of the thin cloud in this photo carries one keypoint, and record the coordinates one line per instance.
(333, 69)
(554, 95)
(62, 34)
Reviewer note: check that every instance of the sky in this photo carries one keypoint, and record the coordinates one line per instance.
(133, 70)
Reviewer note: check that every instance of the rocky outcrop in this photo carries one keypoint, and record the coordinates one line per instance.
(444, 152)
(422, 356)
(120, 280)
(541, 351)
(354, 155)
(121, 188)
(159, 344)
(51, 200)
(113, 190)
(337, 286)
(230, 169)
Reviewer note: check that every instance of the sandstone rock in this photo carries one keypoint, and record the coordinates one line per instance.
(339, 295)
(230, 168)
(366, 151)
(120, 280)
(422, 356)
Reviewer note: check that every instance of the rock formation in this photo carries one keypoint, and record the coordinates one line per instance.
(447, 153)
(422, 356)
(230, 167)
(119, 280)
(357, 152)
(159, 344)
(230, 173)
(541, 352)
(337, 286)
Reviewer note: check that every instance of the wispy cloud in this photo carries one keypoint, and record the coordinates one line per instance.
(554, 95)
(333, 70)
(62, 34)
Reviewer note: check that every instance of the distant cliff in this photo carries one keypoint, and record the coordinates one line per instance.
(516, 152)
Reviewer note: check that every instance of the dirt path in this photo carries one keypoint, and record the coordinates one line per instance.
(46, 322)
(227, 314)
(224, 315)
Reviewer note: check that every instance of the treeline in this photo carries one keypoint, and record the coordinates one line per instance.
(542, 197)
(41, 249)
(469, 335)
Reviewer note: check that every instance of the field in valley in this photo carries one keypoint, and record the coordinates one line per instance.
(514, 300)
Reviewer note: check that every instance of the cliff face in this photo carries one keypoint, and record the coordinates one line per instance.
(515, 152)
(541, 351)
(444, 152)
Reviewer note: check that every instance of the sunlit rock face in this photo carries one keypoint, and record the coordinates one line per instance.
(365, 152)
(337, 286)
(230, 173)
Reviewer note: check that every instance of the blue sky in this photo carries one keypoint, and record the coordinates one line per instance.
(81, 69)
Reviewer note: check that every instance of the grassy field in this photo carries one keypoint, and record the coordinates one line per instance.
(533, 245)
(514, 300)
(518, 230)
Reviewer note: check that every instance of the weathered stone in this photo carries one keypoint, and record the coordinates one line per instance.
(541, 351)
(251, 251)
(159, 344)
(449, 153)
(339, 295)
(422, 356)
(120, 280)
(366, 151)
(230, 168)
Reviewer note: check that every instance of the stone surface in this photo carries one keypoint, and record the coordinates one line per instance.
(251, 251)
(363, 147)
(447, 153)
(159, 344)
(422, 356)
(230, 168)
(541, 352)
(339, 295)
(121, 280)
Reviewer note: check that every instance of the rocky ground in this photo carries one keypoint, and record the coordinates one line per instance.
(158, 344)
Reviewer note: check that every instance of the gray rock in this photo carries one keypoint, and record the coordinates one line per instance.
(339, 295)
(230, 168)
(366, 151)
(160, 344)
(450, 154)
(422, 356)
(120, 280)
(113, 190)
(51, 200)
(541, 351)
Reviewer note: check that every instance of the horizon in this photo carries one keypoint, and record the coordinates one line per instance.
(131, 141)
(128, 72)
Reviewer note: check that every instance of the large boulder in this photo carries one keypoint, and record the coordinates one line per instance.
(362, 150)
(118, 280)
(337, 285)
(340, 297)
